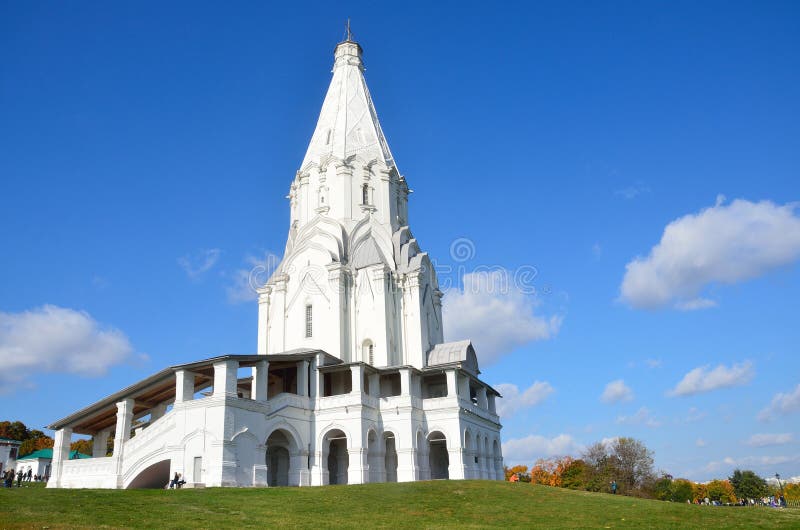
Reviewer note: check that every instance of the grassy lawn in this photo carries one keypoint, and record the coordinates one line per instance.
(409, 505)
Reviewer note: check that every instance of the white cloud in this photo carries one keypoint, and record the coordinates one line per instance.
(642, 417)
(244, 281)
(723, 243)
(782, 403)
(56, 340)
(700, 443)
(653, 363)
(513, 400)
(496, 314)
(702, 379)
(197, 264)
(764, 440)
(616, 391)
(527, 450)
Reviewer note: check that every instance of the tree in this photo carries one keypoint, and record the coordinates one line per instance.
(791, 492)
(681, 490)
(601, 468)
(699, 492)
(634, 464)
(544, 472)
(721, 490)
(747, 485)
(521, 470)
(82, 446)
(14, 430)
(662, 489)
(573, 475)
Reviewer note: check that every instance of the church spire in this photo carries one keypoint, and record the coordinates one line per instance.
(348, 123)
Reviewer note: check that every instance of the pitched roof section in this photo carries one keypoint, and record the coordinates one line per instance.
(455, 352)
(348, 124)
(48, 453)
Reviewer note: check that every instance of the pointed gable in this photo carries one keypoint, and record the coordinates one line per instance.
(348, 124)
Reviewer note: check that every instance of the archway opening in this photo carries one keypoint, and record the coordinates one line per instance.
(278, 459)
(155, 476)
(338, 460)
(438, 457)
(390, 457)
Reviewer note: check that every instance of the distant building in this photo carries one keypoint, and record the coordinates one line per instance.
(352, 381)
(9, 450)
(39, 462)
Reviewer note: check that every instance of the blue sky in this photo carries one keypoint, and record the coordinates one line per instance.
(147, 149)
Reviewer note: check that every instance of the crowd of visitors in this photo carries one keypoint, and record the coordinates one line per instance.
(9, 476)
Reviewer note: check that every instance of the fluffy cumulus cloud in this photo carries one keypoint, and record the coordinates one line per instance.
(197, 264)
(616, 391)
(513, 400)
(497, 313)
(726, 243)
(56, 340)
(528, 449)
(782, 403)
(705, 379)
(764, 440)
(643, 416)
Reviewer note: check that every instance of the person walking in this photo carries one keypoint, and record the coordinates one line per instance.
(613, 487)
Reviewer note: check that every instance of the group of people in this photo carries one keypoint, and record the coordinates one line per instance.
(9, 475)
(176, 481)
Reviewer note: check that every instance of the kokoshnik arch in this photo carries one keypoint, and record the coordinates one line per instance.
(352, 381)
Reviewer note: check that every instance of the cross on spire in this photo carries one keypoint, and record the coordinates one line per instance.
(349, 33)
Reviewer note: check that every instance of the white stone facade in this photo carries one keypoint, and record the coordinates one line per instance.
(351, 382)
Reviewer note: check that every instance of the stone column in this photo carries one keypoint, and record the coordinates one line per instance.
(452, 388)
(482, 401)
(260, 466)
(358, 467)
(375, 385)
(405, 382)
(407, 470)
(357, 373)
(225, 378)
(124, 421)
(456, 468)
(263, 319)
(302, 378)
(463, 387)
(492, 403)
(60, 455)
(100, 444)
(158, 412)
(184, 386)
(277, 327)
(122, 434)
(319, 471)
(260, 382)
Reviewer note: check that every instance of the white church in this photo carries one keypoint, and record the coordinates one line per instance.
(352, 381)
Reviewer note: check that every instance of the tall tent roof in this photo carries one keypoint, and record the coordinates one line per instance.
(348, 124)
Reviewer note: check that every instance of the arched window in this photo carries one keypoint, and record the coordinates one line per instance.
(368, 352)
(309, 328)
(365, 194)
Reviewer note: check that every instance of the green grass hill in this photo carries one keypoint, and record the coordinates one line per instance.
(436, 504)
